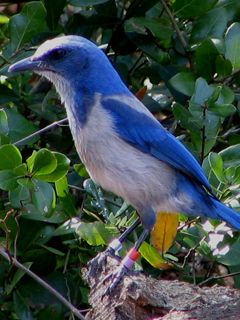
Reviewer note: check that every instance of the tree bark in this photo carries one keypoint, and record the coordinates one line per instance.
(141, 297)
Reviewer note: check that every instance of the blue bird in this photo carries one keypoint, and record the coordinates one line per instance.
(124, 148)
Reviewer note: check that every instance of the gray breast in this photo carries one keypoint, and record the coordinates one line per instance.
(139, 178)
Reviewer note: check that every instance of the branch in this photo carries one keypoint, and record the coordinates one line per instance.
(139, 296)
(178, 31)
(223, 276)
(203, 129)
(54, 292)
(52, 125)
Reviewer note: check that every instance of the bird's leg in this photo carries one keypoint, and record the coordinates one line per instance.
(112, 249)
(116, 244)
(126, 264)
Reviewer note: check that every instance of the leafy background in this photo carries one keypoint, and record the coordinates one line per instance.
(53, 218)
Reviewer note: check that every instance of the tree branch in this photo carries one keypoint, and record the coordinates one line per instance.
(54, 292)
(52, 125)
(142, 297)
(178, 31)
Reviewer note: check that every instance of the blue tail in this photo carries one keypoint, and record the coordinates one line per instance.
(203, 203)
(227, 214)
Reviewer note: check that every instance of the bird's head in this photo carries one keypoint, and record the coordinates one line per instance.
(71, 62)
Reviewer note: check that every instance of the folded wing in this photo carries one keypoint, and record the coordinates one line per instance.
(144, 133)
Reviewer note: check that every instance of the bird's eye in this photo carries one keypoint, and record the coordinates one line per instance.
(57, 54)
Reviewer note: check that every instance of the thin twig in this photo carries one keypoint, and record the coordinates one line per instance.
(50, 126)
(203, 129)
(188, 223)
(229, 79)
(178, 31)
(190, 251)
(219, 277)
(131, 70)
(54, 292)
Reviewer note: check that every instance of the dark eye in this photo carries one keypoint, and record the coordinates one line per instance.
(57, 54)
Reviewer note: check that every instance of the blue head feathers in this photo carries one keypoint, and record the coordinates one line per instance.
(75, 60)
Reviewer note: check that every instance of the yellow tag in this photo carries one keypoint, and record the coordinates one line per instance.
(164, 231)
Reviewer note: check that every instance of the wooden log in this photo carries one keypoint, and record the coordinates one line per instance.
(141, 297)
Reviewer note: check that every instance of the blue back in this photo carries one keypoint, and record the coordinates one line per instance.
(149, 136)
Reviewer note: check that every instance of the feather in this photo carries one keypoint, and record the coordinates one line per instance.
(148, 135)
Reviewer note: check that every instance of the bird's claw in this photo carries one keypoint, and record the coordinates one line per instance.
(125, 266)
(100, 261)
(116, 279)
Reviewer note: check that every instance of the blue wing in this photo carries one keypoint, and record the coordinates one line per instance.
(149, 136)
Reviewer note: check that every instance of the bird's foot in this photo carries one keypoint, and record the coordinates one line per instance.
(97, 264)
(124, 268)
(115, 279)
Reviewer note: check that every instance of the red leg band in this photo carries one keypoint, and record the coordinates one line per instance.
(133, 254)
(130, 258)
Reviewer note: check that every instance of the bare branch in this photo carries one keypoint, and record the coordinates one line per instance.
(178, 31)
(31, 274)
(52, 125)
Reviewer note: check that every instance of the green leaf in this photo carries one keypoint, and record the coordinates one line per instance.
(232, 42)
(149, 48)
(16, 278)
(53, 311)
(8, 180)
(224, 110)
(191, 237)
(7, 95)
(68, 227)
(223, 66)
(210, 25)
(232, 258)
(53, 12)
(10, 157)
(152, 51)
(53, 250)
(230, 156)
(194, 8)
(184, 82)
(202, 92)
(216, 164)
(32, 213)
(61, 169)
(236, 178)
(22, 129)
(42, 162)
(43, 197)
(4, 128)
(221, 101)
(94, 233)
(21, 307)
(226, 96)
(3, 19)
(21, 170)
(27, 24)
(81, 170)
(20, 196)
(62, 187)
(65, 197)
(150, 254)
(182, 115)
(206, 55)
(4, 139)
(230, 174)
(160, 28)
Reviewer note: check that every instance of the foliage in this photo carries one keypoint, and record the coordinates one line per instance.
(188, 56)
